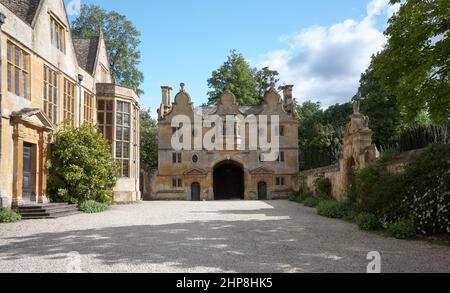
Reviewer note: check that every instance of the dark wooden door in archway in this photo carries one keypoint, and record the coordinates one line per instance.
(262, 190)
(195, 191)
(228, 182)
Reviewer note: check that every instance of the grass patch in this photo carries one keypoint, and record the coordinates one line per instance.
(9, 216)
(93, 207)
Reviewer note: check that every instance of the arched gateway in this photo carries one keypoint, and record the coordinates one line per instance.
(228, 181)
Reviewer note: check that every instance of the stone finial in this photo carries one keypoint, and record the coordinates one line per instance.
(356, 107)
(182, 85)
(228, 87)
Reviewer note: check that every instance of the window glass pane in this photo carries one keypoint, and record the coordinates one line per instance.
(126, 107)
(119, 119)
(101, 105)
(119, 133)
(126, 134)
(126, 120)
(119, 106)
(109, 105)
(109, 119)
(118, 150)
(16, 82)
(108, 135)
(126, 150)
(126, 168)
(100, 118)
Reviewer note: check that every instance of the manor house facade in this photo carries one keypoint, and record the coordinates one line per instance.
(195, 174)
(49, 77)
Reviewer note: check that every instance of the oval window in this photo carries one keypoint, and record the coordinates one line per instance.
(195, 158)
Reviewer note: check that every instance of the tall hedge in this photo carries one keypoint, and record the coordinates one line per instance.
(81, 167)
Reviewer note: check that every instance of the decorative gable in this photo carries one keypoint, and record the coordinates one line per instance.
(195, 172)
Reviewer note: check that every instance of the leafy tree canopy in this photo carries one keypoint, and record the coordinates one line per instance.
(415, 64)
(247, 83)
(149, 140)
(122, 42)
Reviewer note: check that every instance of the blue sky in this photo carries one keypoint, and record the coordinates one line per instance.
(321, 46)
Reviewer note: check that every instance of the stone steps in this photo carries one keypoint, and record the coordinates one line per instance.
(48, 211)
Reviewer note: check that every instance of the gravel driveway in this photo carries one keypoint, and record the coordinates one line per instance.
(190, 237)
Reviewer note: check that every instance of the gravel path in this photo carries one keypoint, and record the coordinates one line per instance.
(190, 237)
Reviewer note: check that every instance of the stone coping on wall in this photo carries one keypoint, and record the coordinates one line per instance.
(326, 169)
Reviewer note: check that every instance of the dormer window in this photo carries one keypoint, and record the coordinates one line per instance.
(58, 34)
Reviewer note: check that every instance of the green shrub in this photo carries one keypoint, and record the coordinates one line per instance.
(92, 207)
(293, 197)
(81, 167)
(368, 222)
(405, 229)
(329, 209)
(427, 190)
(304, 196)
(311, 202)
(323, 187)
(8, 216)
(380, 193)
(336, 210)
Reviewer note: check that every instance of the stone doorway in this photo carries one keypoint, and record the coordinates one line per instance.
(28, 174)
(262, 190)
(195, 191)
(228, 181)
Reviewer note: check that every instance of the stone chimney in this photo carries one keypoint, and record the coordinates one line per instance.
(169, 97)
(165, 103)
(287, 93)
(288, 98)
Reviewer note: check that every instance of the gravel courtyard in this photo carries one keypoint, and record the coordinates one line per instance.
(191, 237)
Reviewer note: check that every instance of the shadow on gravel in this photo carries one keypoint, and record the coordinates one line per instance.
(272, 242)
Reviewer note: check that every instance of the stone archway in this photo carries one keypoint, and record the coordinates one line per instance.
(228, 181)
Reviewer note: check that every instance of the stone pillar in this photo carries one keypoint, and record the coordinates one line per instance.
(42, 173)
(18, 171)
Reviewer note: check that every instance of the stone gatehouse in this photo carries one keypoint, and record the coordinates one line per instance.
(227, 173)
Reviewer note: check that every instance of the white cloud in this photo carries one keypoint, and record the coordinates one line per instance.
(325, 63)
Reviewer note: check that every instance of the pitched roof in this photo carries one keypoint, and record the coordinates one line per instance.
(86, 51)
(24, 9)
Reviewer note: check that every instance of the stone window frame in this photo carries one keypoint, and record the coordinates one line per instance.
(121, 138)
(89, 107)
(18, 70)
(177, 158)
(280, 181)
(58, 33)
(51, 94)
(177, 183)
(281, 157)
(69, 94)
(105, 118)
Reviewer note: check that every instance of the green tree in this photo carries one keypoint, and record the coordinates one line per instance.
(122, 42)
(338, 117)
(149, 140)
(382, 108)
(81, 167)
(248, 84)
(415, 64)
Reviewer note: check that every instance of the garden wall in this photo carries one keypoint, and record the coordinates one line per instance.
(307, 179)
